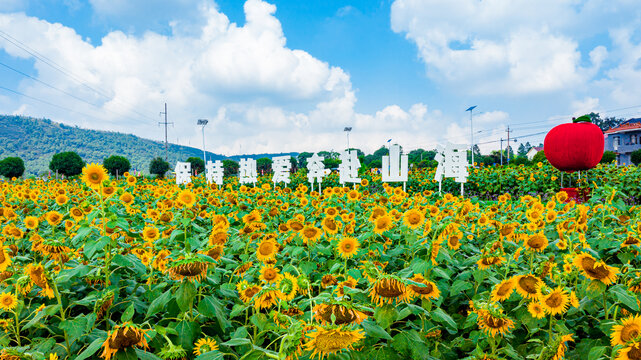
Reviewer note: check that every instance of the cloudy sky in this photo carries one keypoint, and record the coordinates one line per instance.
(289, 75)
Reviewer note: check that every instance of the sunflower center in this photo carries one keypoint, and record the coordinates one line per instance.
(599, 272)
(94, 177)
(536, 242)
(250, 292)
(330, 224)
(423, 290)
(630, 332)
(634, 353)
(504, 289)
(309, 233)
(266, 248)
(389, 289)
(528, 283)
(124, 339)
(269, 274)
(554, 300)
(332, 341)
(453, 240)
(495, 323)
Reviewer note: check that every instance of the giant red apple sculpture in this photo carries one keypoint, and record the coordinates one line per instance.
(574, 147)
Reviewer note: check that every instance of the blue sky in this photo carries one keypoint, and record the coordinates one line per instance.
(291, 77)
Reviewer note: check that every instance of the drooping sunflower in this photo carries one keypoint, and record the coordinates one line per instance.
(536, 310)
(503, 290)
(527, 286)
(5, 259)
(537, 242)
(388, 289)
(267, 250)
(487, 261)
(94, 174)
(190, 269)
(428, 289)
(310, 234)
(343, 314)
(347, 247)
(329, 340)
(330, 225)
(556, 302)
(266, 298)
(288, 287)
(561, 346)
(76, 213)
(122, 337)
(413, 218)
(595, 270)
(36, 273)
(632, 352)
(494, 323)
(383, 223)
(205, 345)
(218, 237)
(247, 291)
(628, 329)
(8, 301)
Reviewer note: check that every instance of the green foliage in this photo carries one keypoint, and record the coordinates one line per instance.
(67, 163)
(264, 165)
(116, 164)
(197, 165)
(539, 158)
(520, 160)
(635, 157)
(606, 123)
(608, 157)
(11, 167)
(158, 167)
(302, 159)
(230, 167)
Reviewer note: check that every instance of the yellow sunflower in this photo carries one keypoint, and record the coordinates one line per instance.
(310, 234)
(595, 270)
(8, 301)
(632, 352)
(537, 242)
(427, 290)
(383, 223)
(288, 287)
(347, 247)
(494, 323)
(5, 259)
(556, 302)
(270, 274)
(503, 290)
(94, 174)
(31, 222)
(487, 261)
(330, 225)
(628, 329)
(186, 198)
(527, 286)
(325, 341)
(536, 310)
(205, 345)
(387, 290)
(343, 314)
(267, 250)
(150, 234)
(413, 218)
(122, 337)
(54, 218)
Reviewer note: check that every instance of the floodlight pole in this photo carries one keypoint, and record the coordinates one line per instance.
(347, 129)
(203, 123)
(471, 109)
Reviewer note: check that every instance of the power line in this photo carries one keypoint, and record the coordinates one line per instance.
(62, 70)
(44, 101)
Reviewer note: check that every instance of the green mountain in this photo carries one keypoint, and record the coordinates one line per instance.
(37, 140)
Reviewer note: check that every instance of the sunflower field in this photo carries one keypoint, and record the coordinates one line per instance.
(97, 268)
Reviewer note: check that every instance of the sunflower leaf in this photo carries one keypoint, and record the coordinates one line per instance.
(374, 330)
(91, 349)
(185, 295)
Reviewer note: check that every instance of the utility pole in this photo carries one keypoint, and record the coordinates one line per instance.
(165, 123)
(501, 153)
(471, 109)
(508, 144)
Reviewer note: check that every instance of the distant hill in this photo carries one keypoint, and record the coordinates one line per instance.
(37, 140)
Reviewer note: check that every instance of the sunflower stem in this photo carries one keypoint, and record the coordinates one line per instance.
(605, 304)
(187, 244)
(17, 328)
(62, 315)
(550, 330)
(104, 233)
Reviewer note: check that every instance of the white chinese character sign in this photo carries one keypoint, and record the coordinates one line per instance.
(452, 162)
(316, 170)
(214, 172)
(183, 172)
(247, 171)
(280, 167)
(348, 168)
(395, 166)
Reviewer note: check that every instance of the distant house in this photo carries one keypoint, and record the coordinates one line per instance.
(530, 154)
(624, 139)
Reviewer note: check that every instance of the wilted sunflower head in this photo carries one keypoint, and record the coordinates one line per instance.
(123, 336)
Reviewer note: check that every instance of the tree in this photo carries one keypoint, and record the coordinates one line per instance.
(12, 167)
(608, 157)
(158, 167)
(230, 167)
(331, 163)
(521, 151)
(264, 165)
(67, 163)
(635, 157)
(607, 123)
(197, 165)
(116, 165)
(527, 147)
(302, 159)
(520, 160)
(539, 157)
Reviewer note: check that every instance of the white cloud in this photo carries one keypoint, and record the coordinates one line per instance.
(259, 95)
(585, 106)
(510, 47)
(13, 5)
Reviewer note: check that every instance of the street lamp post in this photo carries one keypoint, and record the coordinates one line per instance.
(471, 109)
(203, 122)
(347, 130)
